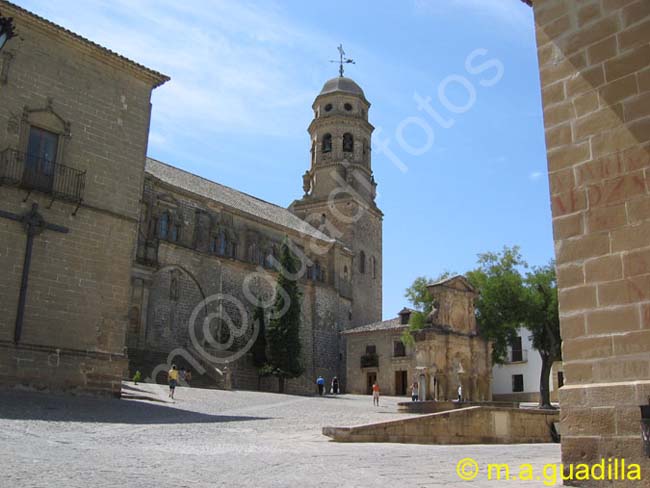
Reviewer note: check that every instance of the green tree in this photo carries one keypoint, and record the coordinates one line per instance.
(501, 304)
(543, 321)
(418, 295)
(284, 327)
(259, 346)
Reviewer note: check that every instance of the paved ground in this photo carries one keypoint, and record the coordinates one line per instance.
(213, 438)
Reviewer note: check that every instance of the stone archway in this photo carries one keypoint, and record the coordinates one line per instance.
(174, 293)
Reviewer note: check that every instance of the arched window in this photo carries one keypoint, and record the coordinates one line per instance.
(348, 142)
(346, 275)
(373, 267)
(163, 226)
(327, 143)
(362, 262)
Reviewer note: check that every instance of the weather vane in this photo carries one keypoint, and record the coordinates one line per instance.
(342, 59)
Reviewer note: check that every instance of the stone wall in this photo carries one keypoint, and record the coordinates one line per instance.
(594, 60)
(173, 280)
(79, 282)
(472, 425)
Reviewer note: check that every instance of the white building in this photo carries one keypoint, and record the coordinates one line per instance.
(518, 378)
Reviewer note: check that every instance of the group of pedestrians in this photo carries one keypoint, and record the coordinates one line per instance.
(335, 386)
(175, 375)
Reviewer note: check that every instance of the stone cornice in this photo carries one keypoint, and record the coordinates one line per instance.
(339, 121)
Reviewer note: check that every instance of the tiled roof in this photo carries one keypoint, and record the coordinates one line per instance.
(156, 78)
(231, 198)
(392, 324)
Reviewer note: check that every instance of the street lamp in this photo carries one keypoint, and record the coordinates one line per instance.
(6, 30)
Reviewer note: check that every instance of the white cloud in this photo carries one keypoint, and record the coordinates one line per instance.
(235, 67)
(155, 139)
(535, 175)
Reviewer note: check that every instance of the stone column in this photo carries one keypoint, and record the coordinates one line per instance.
(594, 61)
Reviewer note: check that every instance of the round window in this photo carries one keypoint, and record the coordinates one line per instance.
(328, 107)
(347, 107)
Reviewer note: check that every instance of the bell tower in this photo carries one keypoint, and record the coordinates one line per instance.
(340, 140)
(339, 194)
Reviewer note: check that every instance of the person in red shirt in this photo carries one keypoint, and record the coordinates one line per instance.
(375, 394)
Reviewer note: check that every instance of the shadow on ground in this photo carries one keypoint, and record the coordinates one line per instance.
(19, 405)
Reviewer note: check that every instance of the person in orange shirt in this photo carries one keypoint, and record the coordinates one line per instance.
(375, 394)
(172, 376)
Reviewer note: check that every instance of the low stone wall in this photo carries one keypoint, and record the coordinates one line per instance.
(434, 406)
(472, 425)
(532, 396)
(58, 369)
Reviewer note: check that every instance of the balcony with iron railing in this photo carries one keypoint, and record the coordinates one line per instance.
(369, 361)
(32, 173)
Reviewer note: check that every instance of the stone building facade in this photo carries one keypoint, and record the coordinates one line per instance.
(74, 123)
(447, 353)
(594, 61)
(209, 250)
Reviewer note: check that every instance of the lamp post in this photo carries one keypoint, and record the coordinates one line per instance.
(6, 30)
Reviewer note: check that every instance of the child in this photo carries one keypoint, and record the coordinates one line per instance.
(414, 392)
(172, 376)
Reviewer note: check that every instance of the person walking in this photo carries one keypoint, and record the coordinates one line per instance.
(335, 385)
(320, 381)
(172, 377)
(414, 391)
(375, 394)
(460, 393)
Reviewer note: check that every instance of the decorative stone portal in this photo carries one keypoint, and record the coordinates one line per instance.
(446, 354)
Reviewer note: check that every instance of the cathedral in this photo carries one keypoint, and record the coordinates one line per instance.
(198, 239)
(113, 262)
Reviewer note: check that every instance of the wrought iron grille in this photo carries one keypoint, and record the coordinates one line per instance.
(38, 174)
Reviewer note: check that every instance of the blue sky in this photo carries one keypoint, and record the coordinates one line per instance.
(244, 75)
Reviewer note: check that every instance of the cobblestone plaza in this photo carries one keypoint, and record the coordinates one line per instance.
(213, 438)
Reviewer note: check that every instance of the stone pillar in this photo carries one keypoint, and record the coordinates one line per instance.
(594, 60)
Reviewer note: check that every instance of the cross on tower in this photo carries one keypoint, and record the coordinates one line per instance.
(342, 60)
(33, 223)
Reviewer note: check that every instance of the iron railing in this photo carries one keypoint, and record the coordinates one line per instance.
(39, 174)
(369, 361)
